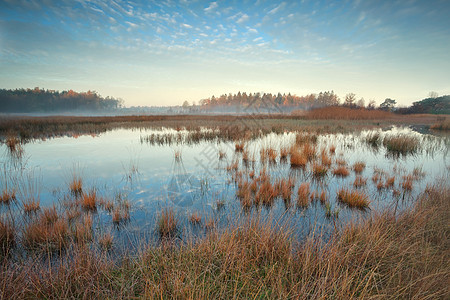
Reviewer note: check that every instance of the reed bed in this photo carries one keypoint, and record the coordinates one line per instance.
(345, 113)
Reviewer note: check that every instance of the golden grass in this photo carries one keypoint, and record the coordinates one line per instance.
(358, 167)
(167, 224)
(341, 171)
(353, 198)
(303, 195)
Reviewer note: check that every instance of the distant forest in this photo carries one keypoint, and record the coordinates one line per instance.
(40, 100)
(432, 105)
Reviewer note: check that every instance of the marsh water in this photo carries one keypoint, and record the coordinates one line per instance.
(191, 178)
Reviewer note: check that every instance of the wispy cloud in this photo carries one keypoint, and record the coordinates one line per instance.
(212, 6)
(243, 18)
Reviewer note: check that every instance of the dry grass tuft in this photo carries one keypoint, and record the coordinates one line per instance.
(298, 159)
(319, 170)
(354, 198)
(76, 186)
(195, 218)
(358, 167)
(31, 206)
(6, 197)
(359, 181)
(89, 201)
(167, 225)
(401, 144)
(341, 171)
(303, 195)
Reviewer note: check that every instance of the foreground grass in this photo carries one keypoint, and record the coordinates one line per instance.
(388, 256)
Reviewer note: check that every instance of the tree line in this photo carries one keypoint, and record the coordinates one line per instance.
(41, 100)
(433, 104)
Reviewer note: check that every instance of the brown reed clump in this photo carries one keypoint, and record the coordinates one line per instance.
(195, 218)
(341, 171)
(7, 237)
(82, 231)
(266, 194)
(6, 197)
(42, 235)
(359, 181)
(326, 160)
(323, 197)
(272, 155)
(284, 152)
(401, 144)
(332, 149)
(353, 198)
(303, 195)
(167, 225)
(390, 181)
(89, 201)
(239, 146)
(76, 186)
(319, 170)
(309, 151)
(358, 167)
(407, 183)
(31, 206)
(298, 160)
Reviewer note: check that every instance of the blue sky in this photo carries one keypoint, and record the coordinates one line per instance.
(165, 52)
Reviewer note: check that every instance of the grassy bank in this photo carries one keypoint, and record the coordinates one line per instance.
(234, 126)
(389, 256)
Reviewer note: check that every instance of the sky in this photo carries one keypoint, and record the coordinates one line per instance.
(154, 53)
